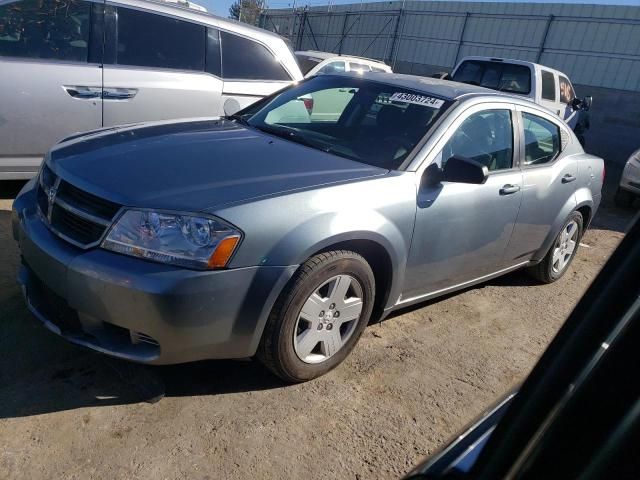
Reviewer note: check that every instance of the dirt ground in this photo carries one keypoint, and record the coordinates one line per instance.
(412, 382)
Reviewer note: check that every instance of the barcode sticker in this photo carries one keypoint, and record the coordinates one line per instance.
(416, 99)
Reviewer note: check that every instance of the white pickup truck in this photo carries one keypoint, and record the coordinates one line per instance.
(543, 85)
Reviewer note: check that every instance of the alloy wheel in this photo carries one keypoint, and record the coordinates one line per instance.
(565, 246)
(328, 318)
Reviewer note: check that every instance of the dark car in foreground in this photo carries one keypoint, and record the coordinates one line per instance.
(577, 415)
(280, 233)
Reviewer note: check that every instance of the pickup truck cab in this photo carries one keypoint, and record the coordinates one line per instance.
(542, 85)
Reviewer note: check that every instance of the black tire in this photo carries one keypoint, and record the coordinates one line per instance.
(623, 198)
(276, 350)
(544, 270)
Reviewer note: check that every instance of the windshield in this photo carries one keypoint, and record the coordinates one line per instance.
(363, 120)
(506, 77)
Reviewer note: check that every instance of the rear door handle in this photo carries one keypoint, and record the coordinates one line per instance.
(119, 93)
(568, 178)
(83, 92)
(508, 189)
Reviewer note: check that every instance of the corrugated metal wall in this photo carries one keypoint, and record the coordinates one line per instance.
(596, 45)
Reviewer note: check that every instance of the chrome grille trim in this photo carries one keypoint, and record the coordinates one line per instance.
(69, 220)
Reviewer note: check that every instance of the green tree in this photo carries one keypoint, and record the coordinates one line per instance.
(247, 11)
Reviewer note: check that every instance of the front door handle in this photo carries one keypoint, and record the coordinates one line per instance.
(568, 178)
(119, 93)
(83, 92)
(508, 189)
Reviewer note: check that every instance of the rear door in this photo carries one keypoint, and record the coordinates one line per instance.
(250, 71)
(50, 78)
(158, 67)
(549, 184)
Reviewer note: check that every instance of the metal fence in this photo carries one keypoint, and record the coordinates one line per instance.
(596, 45)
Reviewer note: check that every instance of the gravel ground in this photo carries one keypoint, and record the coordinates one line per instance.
(412, 382)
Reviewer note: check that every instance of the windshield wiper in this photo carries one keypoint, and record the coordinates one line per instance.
(287, 134)
(237, 118)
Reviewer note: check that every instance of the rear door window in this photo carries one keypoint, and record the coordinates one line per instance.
(243, 58)
(506, 77)
(548, 86)
(150, 40)
(46, 29)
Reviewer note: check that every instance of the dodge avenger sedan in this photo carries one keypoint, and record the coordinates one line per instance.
(279, 235)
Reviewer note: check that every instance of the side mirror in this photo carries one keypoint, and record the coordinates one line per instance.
(464, 170)
(576, 103)
(586, 103)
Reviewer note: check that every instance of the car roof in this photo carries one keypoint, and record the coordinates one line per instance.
(440, 88)
(184, 11)
(326, 55)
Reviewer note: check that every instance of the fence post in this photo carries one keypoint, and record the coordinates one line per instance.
(395, 43)
(544, 38)
(344, 27)
(461, 39)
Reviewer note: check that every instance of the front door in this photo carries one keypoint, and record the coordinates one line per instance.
(50, 83)
(462, 230)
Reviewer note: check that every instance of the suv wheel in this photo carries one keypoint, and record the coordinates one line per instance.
(557, 260)
(319, 317)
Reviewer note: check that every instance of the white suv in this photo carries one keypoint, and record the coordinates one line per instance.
(542, 85)
(99, 64)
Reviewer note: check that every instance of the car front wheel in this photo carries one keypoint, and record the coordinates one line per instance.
(557, 260)
(319, 317)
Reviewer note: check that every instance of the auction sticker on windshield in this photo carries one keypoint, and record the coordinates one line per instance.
(416, 99)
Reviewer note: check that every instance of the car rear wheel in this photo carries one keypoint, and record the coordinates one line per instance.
(623, 198)
(557, 260)
(319, 317)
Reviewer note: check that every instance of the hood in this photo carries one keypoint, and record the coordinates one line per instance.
(195, 165)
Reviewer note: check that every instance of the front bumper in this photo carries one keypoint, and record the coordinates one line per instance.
(138, 310)
(630, 179)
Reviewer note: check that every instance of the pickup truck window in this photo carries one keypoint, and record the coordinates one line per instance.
(566, 90)
(505, 77)
(548, 86)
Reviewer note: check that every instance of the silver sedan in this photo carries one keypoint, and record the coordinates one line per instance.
(282, 231)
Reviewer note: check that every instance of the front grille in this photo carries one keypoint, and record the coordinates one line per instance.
(73, 214)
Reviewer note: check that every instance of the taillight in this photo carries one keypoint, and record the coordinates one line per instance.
(603, 173)
(308, 104)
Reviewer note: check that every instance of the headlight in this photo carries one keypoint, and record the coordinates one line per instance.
(192, 241)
